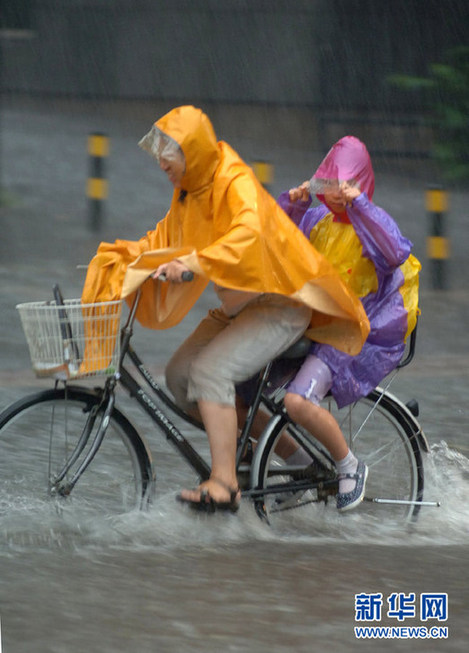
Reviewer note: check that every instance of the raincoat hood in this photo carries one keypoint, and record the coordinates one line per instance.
(191, 129)
(347, 160)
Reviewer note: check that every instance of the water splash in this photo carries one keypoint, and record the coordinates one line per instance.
(446, 481)
(168, 526)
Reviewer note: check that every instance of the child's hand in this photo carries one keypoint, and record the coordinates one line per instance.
(348, 192)
(301, 193)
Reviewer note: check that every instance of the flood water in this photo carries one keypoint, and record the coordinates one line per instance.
(171, 580)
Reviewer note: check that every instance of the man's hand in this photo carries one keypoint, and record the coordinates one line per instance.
(173, 271)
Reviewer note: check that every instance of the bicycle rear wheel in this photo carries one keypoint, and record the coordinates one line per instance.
(383, 433)
(380, 431)
(42, 432)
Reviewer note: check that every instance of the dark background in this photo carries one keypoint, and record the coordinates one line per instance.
(326, 54)
(331, 58)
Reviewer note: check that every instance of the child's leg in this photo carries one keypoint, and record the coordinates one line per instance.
(319, 422)
(308, 388)
(302, 402)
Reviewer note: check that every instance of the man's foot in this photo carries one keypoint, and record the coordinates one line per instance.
(212, 495)
(350, 500)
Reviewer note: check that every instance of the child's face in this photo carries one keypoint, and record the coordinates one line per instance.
(335, 201)
(339, 195)
(174, 168)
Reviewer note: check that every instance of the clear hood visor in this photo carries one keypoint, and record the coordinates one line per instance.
(160, 145)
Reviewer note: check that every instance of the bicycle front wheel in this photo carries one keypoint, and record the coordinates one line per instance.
(44, 439)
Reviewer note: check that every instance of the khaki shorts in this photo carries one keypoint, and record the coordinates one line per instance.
(224, 351)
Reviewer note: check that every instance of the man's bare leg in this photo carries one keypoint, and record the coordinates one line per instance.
(221, 426)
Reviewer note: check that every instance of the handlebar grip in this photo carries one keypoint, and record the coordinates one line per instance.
(187, 275)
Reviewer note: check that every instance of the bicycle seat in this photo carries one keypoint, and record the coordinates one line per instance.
(298, 349)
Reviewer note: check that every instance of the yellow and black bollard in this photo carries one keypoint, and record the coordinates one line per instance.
(264, 172)
(97, 186)
(437, 242)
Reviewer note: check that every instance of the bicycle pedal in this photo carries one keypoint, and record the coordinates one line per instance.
(313, 471)
(290, 500)
(325, 492)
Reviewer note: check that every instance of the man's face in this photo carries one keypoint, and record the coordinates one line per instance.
(174, 167)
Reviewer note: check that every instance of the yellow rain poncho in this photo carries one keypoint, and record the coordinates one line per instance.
(227, 229)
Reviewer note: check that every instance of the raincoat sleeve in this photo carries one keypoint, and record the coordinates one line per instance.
(294, 210)
(104, 282)
(379, 235)
(299, 212)
(107, 269)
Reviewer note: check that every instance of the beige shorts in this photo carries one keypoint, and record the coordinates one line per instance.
(224, 351)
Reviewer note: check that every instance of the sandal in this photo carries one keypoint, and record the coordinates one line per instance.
(207, 503)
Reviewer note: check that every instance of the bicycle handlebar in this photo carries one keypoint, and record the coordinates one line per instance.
(187, 275)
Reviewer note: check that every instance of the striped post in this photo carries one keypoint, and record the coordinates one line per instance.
(97, 185)
(437, 243)
(264, 172)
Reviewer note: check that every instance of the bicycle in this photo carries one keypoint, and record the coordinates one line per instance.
(64, 428)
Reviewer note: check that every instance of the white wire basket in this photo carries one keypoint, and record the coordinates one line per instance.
(74, 340)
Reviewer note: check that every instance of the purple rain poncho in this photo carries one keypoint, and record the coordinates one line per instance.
(373, 257)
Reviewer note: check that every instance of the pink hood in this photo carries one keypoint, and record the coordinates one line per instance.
(346, 160)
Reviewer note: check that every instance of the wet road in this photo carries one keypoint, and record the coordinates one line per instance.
(169, 581)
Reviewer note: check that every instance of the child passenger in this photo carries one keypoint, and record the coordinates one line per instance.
(367, 248)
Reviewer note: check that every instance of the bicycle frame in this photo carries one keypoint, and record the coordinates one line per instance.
(172, 433)
(187, 451)
(65, 489)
